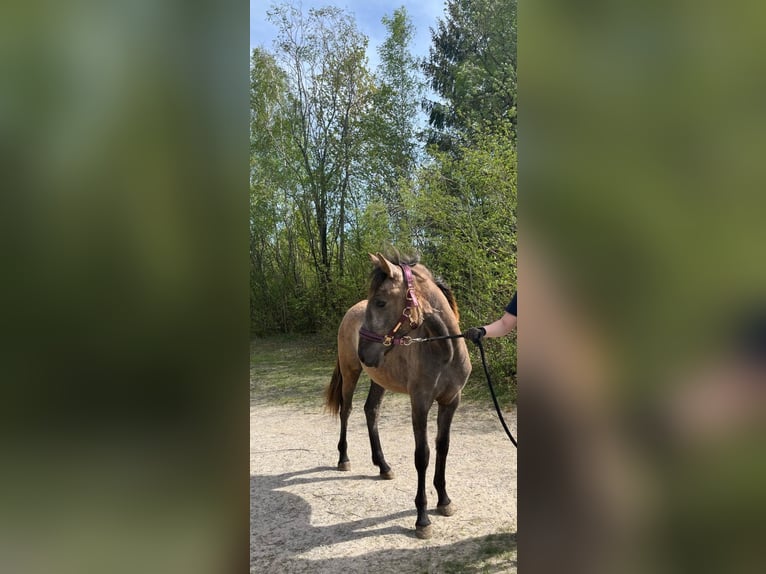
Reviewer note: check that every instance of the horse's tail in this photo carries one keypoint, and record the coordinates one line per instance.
(333, 394)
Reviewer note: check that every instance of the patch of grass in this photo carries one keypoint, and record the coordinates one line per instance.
(290, 369)
(476, 389)
(496, 553)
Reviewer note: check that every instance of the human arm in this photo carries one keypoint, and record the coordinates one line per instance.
(499, 328)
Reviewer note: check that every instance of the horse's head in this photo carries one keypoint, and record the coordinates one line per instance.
(393, 310)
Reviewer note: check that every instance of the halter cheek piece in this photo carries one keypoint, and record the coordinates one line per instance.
(412, 301)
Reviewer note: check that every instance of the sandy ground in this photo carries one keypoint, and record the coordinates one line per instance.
(308, 517)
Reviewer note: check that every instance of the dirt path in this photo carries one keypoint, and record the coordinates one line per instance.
(308, 517)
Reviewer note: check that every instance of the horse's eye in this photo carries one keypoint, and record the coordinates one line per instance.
(380, 303)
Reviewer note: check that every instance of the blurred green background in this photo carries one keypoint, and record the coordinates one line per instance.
(123, 145)
(641, 182)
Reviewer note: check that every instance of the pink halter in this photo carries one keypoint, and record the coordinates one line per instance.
(411, 302)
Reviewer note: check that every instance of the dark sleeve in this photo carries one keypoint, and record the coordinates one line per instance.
(511, 307)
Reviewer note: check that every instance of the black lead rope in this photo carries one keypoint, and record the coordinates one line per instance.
(486, 373)
(492, 391)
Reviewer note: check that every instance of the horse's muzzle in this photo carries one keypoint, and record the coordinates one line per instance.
(369, 354)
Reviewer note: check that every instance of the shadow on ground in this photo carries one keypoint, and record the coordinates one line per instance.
(281, 531)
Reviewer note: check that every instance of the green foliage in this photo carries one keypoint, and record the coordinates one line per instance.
(472, 68)
(391, 144)
(464, 218)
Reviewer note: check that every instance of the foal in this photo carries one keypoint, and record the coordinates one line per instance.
(406, 302)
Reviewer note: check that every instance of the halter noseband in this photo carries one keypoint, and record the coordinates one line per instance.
(412, 301)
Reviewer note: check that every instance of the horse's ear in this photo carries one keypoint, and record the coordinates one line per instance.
(385, 265)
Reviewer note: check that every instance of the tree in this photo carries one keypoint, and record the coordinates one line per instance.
(317, 143)
(393, 146)
(464, 201)
(464, 216)
(329, 90)
(273, 262)
(472, 68)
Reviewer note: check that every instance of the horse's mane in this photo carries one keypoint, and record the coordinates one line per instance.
(378, 276)
(448, 294)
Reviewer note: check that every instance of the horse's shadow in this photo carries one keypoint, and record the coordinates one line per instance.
(281, 521)
(281, 529)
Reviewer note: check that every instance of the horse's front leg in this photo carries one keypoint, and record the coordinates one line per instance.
(420, 410)
(444, 422)
(372, 412)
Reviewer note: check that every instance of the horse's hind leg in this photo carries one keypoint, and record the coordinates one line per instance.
(350, 378)
(444, 422)
(372, 412)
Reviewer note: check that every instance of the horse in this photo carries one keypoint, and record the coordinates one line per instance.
(407, 302)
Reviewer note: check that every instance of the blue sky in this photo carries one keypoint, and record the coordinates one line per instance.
(368, 13)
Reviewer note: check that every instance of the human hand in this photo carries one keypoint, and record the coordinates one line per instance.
(475, 334)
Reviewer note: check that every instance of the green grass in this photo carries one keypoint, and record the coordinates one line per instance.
(496, 554)
(290, 369)
(294, 369)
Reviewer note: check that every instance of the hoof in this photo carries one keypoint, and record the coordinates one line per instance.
(388, 475)
(447, 509)
(424, 532)
(344, 465)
